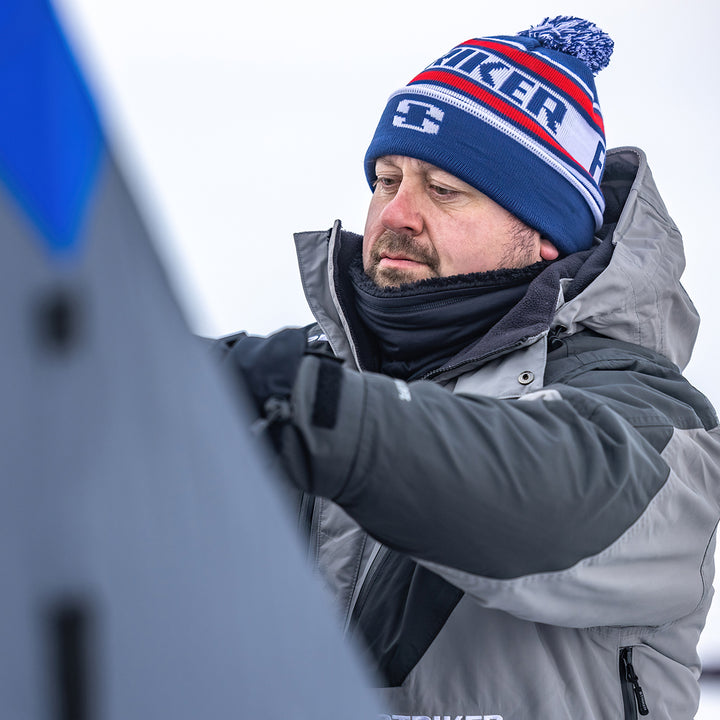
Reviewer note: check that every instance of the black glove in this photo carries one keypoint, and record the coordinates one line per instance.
(267, 366)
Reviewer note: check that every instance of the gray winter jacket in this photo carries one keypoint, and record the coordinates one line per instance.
(529, 532)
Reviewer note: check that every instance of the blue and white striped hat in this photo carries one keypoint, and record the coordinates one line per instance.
(516, 117)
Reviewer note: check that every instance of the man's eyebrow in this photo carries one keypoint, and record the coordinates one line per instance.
(423, 165)
(385, 160)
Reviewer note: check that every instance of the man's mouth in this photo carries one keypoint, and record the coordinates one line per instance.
(396, 259)
(399, 259)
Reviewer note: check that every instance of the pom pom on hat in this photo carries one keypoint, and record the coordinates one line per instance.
(574, 36)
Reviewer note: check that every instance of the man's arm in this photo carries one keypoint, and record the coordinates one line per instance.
(588, 498)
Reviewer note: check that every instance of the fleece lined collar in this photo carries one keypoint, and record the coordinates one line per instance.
(419, 327)
(528, 317)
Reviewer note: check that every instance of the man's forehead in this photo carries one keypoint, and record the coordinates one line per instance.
(400, 161)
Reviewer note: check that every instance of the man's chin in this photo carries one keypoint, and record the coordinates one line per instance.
(395, 277)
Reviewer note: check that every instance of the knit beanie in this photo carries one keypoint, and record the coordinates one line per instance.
(516, 117)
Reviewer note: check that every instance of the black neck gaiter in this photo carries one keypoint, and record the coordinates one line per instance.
(420, 326)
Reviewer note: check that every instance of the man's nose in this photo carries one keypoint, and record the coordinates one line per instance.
(403, 213)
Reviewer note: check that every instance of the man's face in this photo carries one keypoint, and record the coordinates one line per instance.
(423, 222)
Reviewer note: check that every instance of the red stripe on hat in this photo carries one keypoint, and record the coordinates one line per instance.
(541, 67)
(503, 107)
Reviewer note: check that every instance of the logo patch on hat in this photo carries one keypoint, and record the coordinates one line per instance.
(416, 115)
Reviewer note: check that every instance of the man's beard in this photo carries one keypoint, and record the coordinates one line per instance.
(403, 245)
(519, 253)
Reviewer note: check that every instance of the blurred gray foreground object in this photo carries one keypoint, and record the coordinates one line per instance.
(149, 568)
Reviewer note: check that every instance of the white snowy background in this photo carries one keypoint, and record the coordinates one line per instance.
(239, 123)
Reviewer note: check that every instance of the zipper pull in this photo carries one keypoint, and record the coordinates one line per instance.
(637, 690)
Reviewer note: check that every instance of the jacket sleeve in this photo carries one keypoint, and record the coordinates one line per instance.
(593, 504)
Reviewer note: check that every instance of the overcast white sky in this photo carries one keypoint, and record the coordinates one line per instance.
(239, 124)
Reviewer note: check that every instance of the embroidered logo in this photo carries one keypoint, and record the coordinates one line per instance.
(417, 115)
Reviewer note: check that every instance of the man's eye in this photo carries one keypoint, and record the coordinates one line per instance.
(443, 191)
(385, 182)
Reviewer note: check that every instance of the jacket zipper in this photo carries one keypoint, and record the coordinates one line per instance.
(364, 586)
(633, 695)
(305, 513)
(342, 315)
(307, 518)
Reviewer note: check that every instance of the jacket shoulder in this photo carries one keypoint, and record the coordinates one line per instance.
(652, 386)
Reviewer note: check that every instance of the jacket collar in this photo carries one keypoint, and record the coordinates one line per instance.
(417, 329)
(527, 321)
(627, 287)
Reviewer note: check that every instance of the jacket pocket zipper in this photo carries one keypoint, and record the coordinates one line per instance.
(305, 513)
(307, 519)
(633, 695)
(364, 586)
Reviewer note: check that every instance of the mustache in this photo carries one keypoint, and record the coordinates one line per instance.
(392, 243)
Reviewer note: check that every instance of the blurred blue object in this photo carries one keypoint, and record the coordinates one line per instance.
(50, 137)
(149, 558)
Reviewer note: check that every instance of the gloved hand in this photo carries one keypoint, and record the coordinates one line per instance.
(266, 365)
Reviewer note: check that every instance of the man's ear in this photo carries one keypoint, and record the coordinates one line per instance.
(548, 251)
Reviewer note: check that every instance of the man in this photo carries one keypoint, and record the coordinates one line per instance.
(508, 485)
